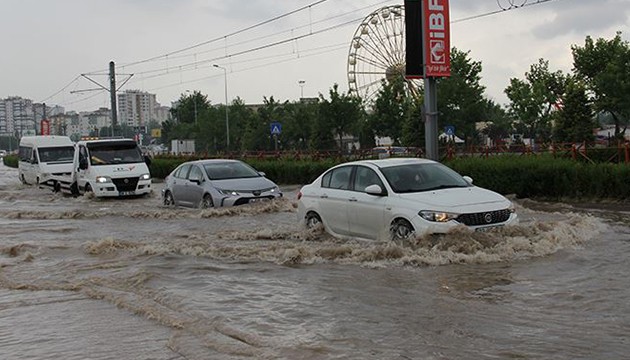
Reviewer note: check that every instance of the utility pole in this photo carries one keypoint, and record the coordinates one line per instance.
(112, 92)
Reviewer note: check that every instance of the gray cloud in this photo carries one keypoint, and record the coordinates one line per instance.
(584, 17)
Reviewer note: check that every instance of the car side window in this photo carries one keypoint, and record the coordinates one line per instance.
(182, 173)
(365, 177)
(326, 180)
(83, 157)
(341, 178)
(195, 174)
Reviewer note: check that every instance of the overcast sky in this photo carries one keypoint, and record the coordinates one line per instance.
(170, 46)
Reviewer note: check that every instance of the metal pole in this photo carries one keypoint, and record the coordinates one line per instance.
(112, 92)
(430, 125)
(227, 116)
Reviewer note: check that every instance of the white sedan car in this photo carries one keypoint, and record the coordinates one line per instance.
(395, 199)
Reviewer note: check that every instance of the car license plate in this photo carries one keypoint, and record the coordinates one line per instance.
(257, 200)
(126, 193)
(488, 228)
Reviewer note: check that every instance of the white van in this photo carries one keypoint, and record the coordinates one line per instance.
(108, 168)
(42, 157)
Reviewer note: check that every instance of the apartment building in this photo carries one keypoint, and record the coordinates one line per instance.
(17, 117)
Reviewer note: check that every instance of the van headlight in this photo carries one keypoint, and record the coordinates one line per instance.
(437, 216)
(103, 179)
(145, 177)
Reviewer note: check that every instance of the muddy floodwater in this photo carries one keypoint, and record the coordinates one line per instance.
(86, 278)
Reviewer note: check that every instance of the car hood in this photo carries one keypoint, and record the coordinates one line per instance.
(244, 184)
(457, 199)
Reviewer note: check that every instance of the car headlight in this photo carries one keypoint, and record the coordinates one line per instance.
(437, 216)
(145, 177)
(275, 190)
(228, 192)
(103, 179)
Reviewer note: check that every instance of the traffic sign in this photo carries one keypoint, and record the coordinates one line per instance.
(449, 130)
(276, 128)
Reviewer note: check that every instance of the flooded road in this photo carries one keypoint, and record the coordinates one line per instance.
(130, 279)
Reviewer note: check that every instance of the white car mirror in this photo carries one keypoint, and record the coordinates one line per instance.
(374, 190)
(468, 179)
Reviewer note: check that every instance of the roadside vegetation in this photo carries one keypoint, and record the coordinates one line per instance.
(533, 176)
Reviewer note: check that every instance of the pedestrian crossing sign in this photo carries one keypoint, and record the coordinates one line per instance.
(276, 128)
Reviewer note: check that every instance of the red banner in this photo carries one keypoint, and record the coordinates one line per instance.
(437, 43)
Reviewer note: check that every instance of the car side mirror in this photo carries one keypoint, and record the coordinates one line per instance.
(375, 190)
(147, 160)
(262, 173)
(83, 164)
(468, 179)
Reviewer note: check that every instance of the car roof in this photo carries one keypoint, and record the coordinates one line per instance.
(213, 161)
(382, 163)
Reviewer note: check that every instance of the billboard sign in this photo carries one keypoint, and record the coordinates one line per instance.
(44, 127)
(413, 40)
(437, 44)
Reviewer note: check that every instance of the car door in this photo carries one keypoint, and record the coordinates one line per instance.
(366, 213)
(194, 186)
(180, 179)
(334, 198)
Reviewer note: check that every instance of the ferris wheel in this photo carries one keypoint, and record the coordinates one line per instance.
(377, 52)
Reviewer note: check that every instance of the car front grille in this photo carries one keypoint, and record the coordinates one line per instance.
(126, 184)
(246, 200)
(484, 218)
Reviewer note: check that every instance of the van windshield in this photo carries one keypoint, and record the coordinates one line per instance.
(115, 153)
(57, 154)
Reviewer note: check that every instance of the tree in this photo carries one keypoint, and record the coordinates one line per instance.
(499, 122)
(605, 67)
(342, 113)
(390, 109)
(460, 96)
(413, 126)
(574, 122)
(533, 99)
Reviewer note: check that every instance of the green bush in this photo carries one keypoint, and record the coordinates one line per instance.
(547, 177)
(10, 161)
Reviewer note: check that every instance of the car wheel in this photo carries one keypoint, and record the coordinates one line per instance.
(168, 199)
(88, 188)
(401, 230)
(74, 189)
(56, 187)
(22, 179)
(312, 220)
(206, 202)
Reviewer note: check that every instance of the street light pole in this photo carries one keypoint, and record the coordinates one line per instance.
(227, 116)
(301, 83)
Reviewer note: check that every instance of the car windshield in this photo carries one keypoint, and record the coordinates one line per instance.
(411, 178)
(57, 154)
(229, 170)
(115, 153)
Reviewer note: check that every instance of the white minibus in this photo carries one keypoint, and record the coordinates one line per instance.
(41, 157)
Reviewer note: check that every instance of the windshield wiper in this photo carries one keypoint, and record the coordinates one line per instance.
(440, 187)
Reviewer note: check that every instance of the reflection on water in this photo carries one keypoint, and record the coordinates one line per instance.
(109, 279)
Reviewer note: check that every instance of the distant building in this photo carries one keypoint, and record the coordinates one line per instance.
(139, 108)
(16, 117)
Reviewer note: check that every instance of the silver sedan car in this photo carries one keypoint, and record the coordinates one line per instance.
(216, 183)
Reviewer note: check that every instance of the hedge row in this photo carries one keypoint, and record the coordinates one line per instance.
(524, 176)
(547, 177)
